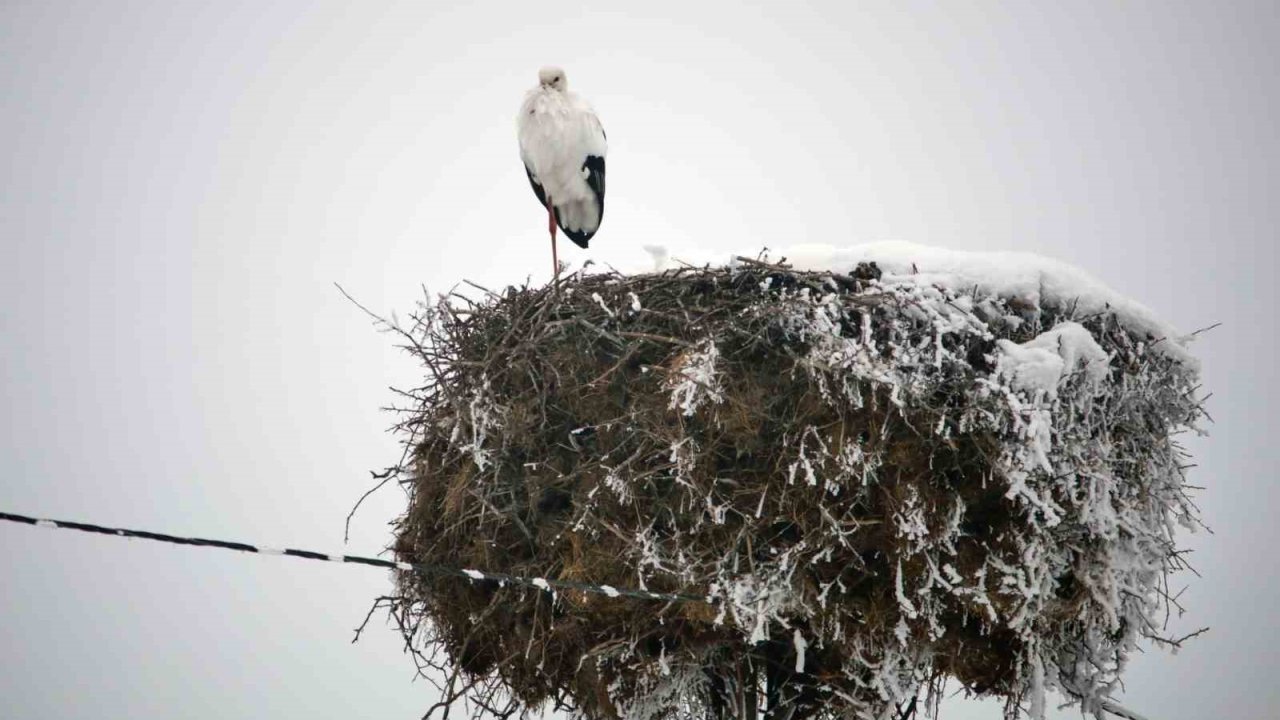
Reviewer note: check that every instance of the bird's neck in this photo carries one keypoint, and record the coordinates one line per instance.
(550, 99)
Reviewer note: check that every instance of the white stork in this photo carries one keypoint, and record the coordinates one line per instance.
(563, 146)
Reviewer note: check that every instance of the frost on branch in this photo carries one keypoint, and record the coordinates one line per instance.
(878, 482)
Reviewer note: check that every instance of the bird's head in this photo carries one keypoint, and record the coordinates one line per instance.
(553, 78)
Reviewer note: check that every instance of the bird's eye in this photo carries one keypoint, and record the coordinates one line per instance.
(555, 79)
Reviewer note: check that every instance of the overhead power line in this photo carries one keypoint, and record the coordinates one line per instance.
(538, 583)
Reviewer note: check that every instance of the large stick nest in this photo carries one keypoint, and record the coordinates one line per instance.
(864, 479)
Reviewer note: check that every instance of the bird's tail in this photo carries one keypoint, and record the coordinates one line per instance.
(579, 220)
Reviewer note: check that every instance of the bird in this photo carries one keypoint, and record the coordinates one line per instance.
(563, 147)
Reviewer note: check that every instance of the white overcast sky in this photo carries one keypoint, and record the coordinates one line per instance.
(182, 183)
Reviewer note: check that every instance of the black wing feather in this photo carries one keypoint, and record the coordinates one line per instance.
(595, 178)
(537, 188)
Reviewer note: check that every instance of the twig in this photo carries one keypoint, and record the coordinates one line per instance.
(655, 338)
(1119, 710)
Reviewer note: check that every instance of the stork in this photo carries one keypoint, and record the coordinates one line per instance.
(563, 145)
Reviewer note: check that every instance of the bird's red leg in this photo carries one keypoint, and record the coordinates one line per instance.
(551, 228)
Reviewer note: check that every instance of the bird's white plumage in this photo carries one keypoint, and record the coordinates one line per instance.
(558, 131)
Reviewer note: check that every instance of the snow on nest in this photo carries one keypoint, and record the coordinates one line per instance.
(1040, 364)
(1032, 280)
